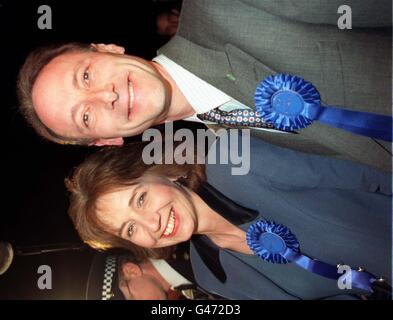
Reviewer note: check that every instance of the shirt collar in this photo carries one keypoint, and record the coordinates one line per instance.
(168, 273)
(201, 95)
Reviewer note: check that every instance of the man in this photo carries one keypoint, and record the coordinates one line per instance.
(221, 52)
(116, 276)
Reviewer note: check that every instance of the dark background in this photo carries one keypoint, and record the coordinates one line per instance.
(34, 200)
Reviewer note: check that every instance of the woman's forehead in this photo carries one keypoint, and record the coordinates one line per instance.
(115, 196)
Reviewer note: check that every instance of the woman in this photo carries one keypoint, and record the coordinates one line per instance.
(338, 213)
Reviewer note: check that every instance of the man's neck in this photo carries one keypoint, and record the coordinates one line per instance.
(179, 107)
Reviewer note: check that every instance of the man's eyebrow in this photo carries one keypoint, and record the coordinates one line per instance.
(76, 72)
(75, 78)
(75, 108)
(74, 111)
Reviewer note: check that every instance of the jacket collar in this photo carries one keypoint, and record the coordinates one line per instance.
(224, 206)
(234, 213)
(231, 69)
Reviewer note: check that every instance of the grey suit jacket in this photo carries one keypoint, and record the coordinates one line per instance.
(235, 44)
(339, 211)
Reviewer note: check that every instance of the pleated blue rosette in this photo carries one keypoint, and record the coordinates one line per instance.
(270, 241)
(275, 243)
(290, 103)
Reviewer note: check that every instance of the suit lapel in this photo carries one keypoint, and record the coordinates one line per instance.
(237, 73)
(210, 65)
(232, 70)
(223, 273)
(247, 72)
(180, 261)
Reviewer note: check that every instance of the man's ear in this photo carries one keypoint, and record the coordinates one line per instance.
(131, 270)
(108, 142)
(110, 48)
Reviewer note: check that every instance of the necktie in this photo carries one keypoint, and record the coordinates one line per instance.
(236, 117)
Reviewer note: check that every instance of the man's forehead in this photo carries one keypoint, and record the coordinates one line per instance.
(53, 90)
(69, 58)
(60, 66)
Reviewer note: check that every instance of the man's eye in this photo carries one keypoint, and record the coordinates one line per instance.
(141, 199)
(86, 77)
(131, 229)
(86, 119)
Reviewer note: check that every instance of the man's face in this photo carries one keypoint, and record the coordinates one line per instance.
(100, 96)
(135, 285)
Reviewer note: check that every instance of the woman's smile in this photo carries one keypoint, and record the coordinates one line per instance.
(172, 225)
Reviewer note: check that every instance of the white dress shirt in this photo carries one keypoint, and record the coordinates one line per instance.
(171, 276)
(201, 95)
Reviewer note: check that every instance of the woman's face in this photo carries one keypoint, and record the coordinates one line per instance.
(153, 213)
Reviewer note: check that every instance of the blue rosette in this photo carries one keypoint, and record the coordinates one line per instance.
(275, 243)
(272, 241)
(288, 102)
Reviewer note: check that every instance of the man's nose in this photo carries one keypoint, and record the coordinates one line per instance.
(107, 96)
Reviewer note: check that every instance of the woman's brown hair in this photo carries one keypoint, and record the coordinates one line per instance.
(108, 170)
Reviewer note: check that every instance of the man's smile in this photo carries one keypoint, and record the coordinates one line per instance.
(130, 97)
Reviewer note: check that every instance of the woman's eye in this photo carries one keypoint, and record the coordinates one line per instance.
(86, 119)
(86, 77)
(131, 229)
(141, 199)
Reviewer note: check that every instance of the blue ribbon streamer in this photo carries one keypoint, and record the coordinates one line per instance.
(290, 103)
(275, 243)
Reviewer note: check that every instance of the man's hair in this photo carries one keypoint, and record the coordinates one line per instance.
(28, 74)
(109, 170)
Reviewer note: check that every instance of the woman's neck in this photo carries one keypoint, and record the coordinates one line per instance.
(222, 232)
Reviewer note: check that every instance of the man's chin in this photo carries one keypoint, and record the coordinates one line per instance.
(140, 129)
